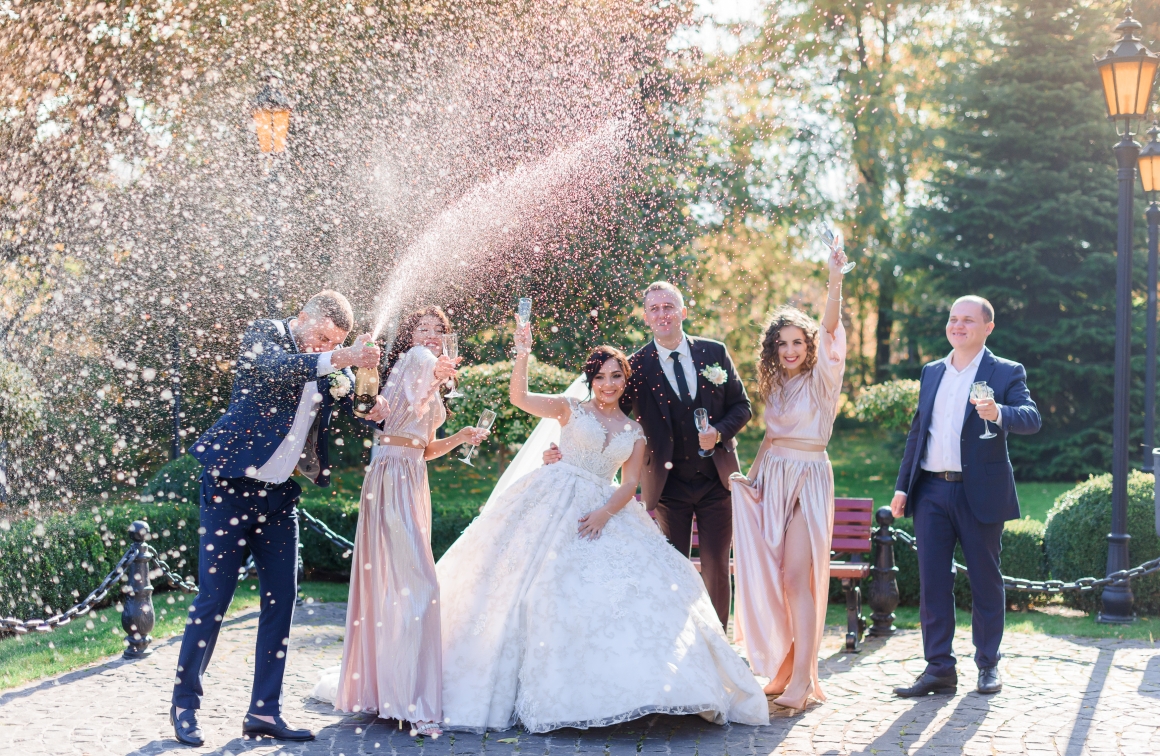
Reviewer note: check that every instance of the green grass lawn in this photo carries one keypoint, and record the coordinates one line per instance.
(98, 634)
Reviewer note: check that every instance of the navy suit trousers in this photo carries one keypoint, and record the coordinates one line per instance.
(942, 518)
(236, 514)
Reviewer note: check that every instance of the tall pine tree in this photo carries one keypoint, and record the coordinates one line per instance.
(1023, 212)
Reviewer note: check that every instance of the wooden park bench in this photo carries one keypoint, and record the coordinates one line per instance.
(851, 537)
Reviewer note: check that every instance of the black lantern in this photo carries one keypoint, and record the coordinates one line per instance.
(1128, 72)
(271, 112)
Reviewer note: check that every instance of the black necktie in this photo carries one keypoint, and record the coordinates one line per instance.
(682, 384)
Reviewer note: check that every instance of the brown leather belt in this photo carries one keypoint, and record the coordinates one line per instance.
(949, 477)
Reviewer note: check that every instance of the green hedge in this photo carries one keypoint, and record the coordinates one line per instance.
(1077, 546)
(1023, 556)
(47, 565)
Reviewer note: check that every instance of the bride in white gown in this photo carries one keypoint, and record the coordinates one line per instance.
(564, 606)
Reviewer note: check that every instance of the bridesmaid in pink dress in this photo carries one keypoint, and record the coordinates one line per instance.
(783, 512)
(391, 661)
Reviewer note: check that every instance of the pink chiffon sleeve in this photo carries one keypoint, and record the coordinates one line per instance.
(417, 375)
(831, 359)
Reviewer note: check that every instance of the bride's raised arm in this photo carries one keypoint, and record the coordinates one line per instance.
(554, 406)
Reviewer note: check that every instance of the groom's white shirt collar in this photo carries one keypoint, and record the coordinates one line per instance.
(280, 466)
(690, 369)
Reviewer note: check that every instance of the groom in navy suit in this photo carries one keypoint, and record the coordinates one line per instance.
(959, 488)
(290, 378)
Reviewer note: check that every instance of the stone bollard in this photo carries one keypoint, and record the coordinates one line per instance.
(884, 586)
(137, 615)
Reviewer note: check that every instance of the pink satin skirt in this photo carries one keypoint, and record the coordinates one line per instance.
(761, 515)
(391, 658)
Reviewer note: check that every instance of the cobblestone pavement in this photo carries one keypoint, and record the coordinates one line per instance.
(1062, 696)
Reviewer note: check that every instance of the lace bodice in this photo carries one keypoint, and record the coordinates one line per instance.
(584, 443)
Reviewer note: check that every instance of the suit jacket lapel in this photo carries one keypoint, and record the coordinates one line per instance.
(654, 378)
(699, 352)
(926, 398)
(288, 339)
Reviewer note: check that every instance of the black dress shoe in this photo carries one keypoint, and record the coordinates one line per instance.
(989, 680)
(185, 727)
(925, 684)
(260, 728)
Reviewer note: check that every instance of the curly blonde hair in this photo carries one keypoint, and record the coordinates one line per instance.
(770, 374)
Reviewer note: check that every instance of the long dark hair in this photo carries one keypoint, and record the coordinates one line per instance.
(405, 334)
(596, 360)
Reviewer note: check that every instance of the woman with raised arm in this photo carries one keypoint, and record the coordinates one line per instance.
(783, 512)
(391, 652)
(563, 605)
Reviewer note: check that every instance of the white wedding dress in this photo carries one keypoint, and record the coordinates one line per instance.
(545, 629)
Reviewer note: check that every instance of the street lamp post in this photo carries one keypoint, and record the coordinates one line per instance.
(1149, 162)
(1127, 72)
(271, 113)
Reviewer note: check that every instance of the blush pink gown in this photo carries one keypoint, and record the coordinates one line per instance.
(803, 410)
(391, 658)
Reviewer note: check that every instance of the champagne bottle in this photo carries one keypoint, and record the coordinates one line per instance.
(366, 388)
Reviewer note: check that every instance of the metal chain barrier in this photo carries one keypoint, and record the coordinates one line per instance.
(1053, 586)
(170, 577)
(18, 626)
(13, 625)
(320, 527)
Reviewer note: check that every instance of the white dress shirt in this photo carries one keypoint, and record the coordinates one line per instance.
(943, 446)
(686, 362)
(280, 466)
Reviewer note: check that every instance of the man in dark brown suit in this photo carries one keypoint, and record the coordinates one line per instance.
(673, 376)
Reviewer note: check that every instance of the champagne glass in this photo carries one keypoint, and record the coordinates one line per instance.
(524, 312)
(486, 418)
(451, 349)
(828, 236)
(980, 391)
(701, 419)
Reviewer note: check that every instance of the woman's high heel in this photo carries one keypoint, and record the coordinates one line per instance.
(796, 705)
(771, 690)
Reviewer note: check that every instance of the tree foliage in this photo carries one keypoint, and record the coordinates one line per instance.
(141, 230)
(1023, 212)
(485, 386)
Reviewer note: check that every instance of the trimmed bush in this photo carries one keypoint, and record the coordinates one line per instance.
(48, 564)
(176, 480)
(1076, 540)
(890, 405)
(485, 386)
(1022, 557)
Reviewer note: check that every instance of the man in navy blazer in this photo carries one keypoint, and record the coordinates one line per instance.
(290, 378)
(959, 488)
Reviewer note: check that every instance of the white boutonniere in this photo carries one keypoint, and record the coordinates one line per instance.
(339, 385)
(715, 374)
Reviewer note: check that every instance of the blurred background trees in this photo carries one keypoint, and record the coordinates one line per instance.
(958, 146)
